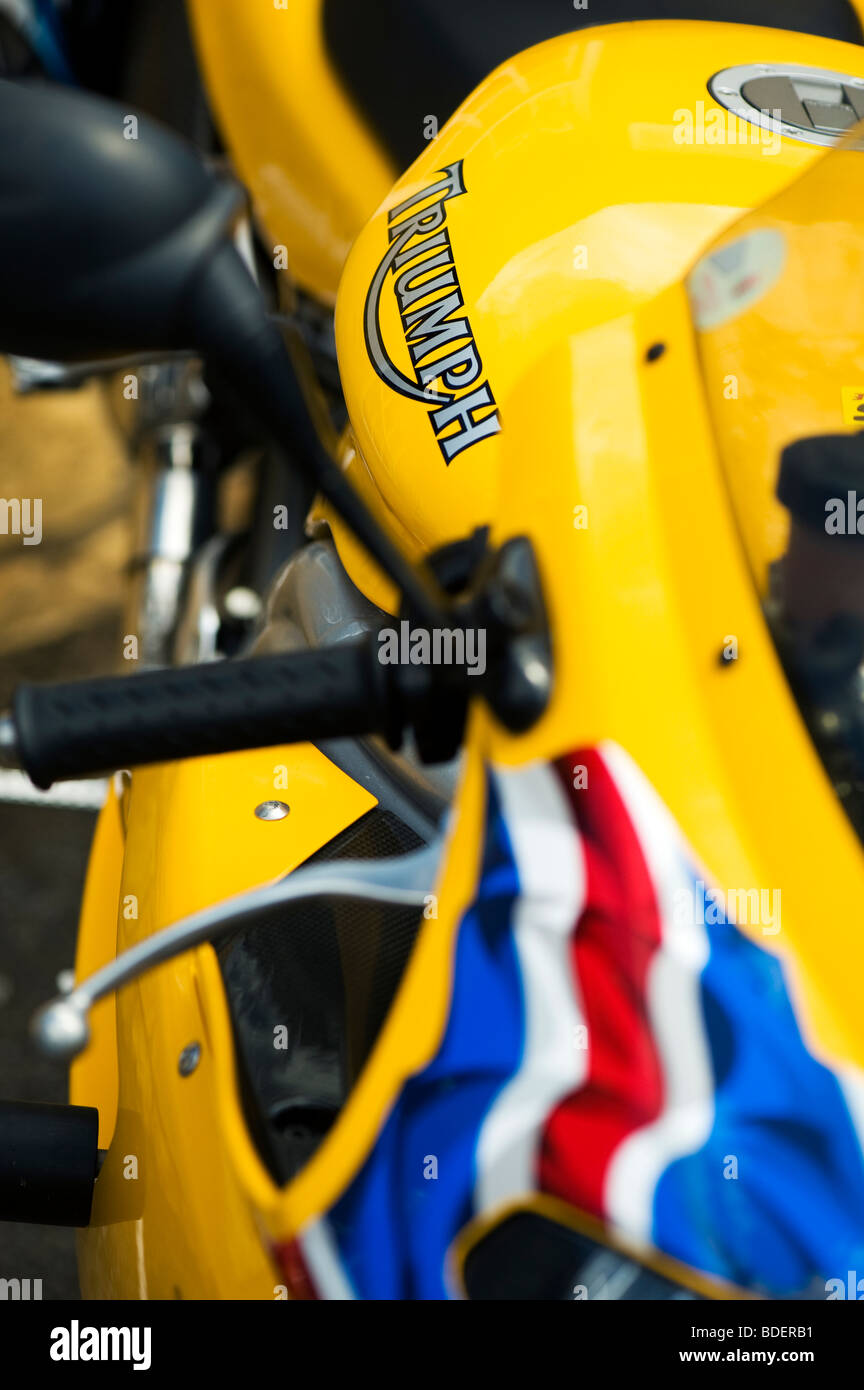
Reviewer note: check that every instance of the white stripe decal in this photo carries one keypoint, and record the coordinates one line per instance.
(674, 1009)
(324, 1263)
(851, 1083)
(551, 872)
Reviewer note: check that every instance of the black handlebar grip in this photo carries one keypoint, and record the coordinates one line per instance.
(92, 726)
(48, 1158)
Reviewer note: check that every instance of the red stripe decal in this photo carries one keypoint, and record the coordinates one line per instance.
(295, 1270)
(613, 943)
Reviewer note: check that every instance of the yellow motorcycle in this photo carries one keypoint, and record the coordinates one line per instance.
(483, 922)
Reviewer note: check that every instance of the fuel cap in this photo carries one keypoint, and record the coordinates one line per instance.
(813, 105)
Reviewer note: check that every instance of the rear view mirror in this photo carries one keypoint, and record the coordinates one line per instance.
(106, 221)
(114, 238)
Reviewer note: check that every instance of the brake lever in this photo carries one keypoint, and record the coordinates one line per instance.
(61, 1027)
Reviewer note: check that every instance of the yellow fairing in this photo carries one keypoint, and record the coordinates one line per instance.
(181, 1197)
(795, 358)
(94, 1080)
(641, 603)
(313, 170)
(606, 459)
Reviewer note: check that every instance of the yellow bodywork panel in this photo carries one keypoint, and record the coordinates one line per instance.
(607, 459)
(178, 1201)
(314, 172)
(642, 600)
(414, 1024)
(93, 1078)
(795, 357)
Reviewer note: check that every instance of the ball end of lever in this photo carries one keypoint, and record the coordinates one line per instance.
(60, 1028)
(10, 755)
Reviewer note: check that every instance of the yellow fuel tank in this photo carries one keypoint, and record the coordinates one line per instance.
(580, 180)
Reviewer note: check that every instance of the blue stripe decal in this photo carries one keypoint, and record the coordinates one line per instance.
(793, 1216)
(394, 1224)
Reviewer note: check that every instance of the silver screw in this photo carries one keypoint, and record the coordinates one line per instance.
(272, 810)
(189, 1059)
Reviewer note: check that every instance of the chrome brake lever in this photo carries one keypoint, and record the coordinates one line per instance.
(61, 1027)
(32, 374)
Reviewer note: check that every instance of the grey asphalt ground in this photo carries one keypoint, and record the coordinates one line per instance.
(43, 855)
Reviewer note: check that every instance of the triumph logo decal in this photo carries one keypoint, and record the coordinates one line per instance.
(447, 366)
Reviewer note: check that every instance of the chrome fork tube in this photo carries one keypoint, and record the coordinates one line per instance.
(176, 514)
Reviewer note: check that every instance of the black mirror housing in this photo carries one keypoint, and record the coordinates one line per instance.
(106, 222)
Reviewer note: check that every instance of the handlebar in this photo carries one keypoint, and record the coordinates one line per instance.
(78, 728)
